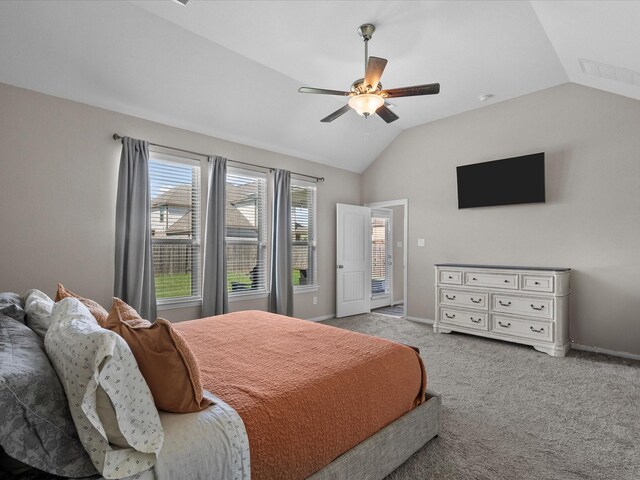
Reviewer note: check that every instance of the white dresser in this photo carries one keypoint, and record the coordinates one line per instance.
(528, 305)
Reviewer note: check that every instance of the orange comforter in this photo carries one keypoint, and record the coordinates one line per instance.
(306, 392)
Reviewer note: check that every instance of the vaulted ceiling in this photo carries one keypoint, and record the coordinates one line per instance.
(231, 69)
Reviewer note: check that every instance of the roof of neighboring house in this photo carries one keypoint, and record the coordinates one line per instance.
(182, 226)
(180, 196)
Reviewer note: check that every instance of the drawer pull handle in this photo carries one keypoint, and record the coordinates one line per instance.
(536, 283)
(506, 281)
(450, 316)
(535, 308)
(537, 331)
(476, 320)
(450, 276)
(503, 325)
(453, 297)
(476, 301)
(474, 279)
(508, 304)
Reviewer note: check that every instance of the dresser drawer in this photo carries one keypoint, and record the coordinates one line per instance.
(464, 298)
(494, 280)
(453, 277)
(522, 328)
(537, 283)
(532, 307)
(464, 319)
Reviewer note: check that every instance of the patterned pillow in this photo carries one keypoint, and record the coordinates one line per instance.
(38, 307)
(36, 427)
(86, 357)
(98, 312)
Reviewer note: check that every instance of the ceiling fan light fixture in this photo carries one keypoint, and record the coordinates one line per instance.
(366, 103)
(366, 94)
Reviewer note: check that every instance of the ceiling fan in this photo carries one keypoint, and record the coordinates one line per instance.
(367, 95)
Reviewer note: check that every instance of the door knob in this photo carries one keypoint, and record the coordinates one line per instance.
(339, 266)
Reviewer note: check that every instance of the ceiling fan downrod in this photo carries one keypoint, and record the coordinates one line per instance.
(365, 31)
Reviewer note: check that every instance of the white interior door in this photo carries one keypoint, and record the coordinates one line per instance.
(353, 260)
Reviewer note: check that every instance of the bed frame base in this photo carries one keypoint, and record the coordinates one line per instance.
(382, 453)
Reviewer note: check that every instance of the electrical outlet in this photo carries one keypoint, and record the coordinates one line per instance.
(421, 242)
(315, 300)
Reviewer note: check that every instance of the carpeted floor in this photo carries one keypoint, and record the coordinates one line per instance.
(510, 412)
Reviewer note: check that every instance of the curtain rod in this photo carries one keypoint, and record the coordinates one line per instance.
(117, 137)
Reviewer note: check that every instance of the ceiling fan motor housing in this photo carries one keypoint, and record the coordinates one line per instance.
(359, 87)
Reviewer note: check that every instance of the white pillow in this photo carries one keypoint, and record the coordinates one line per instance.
(87, 357)
(38, 306)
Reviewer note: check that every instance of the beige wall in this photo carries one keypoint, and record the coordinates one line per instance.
(58, 175)
(590, 222)
(58, 172)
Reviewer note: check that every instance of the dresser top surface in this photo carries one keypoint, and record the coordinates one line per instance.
(502, 267)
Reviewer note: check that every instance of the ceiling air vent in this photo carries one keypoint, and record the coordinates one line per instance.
(182, 2)
(610, 72)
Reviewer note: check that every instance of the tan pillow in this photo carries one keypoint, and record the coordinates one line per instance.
(164, 358)
(98, 312)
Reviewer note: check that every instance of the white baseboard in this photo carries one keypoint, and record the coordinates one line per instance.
(397, 302)
(323, 317)
(606, 351)
(420, 320)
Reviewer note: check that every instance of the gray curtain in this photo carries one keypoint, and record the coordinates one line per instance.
(281, 295)
(134, 280)
(215, 299)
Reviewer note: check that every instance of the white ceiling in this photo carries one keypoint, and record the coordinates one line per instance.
(232, 69)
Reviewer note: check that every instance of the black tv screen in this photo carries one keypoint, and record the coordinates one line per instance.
(502, 182)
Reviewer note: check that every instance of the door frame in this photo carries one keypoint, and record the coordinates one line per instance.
(405, 203)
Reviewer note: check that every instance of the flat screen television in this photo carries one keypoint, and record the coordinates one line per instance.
(502, 182)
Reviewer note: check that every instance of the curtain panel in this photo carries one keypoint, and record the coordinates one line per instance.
(215, 298)
(281, 294)
(134, 277)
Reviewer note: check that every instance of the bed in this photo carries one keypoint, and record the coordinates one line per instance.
(292, 400)
(309, 393)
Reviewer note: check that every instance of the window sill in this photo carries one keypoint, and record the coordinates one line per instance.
(236, 297)
(305, 289)
(173, 304)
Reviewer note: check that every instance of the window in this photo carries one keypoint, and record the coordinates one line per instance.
(303, 232)
(380, 254)
(175, 227)
(246, 232)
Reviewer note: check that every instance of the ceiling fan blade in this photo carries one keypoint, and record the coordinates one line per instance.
(324, 91)
(386, 114)
(428, 89)
(336, 114)
(375, 67)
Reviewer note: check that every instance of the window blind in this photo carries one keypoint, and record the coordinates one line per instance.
(175, 227)
(379, 255)
(303, 232)
(246, 231)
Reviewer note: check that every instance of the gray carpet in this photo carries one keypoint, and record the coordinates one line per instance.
(510, 412)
